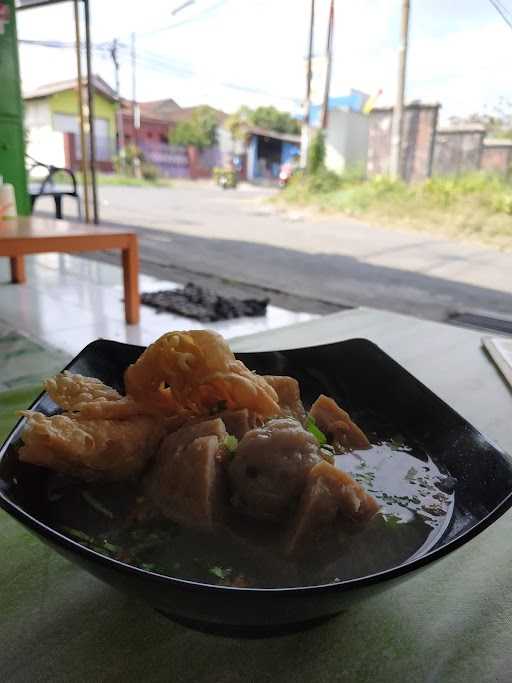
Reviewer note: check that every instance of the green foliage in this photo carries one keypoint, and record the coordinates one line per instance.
(149, 171)
(128, 157)
(218, 172)
(316, 153)
(200, 130)
(270, 118)
(472, 205)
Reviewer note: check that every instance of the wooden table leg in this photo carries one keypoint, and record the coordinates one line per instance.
(18, 274)
(131, 282)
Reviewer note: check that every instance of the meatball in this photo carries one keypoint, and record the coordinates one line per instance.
(270, 468)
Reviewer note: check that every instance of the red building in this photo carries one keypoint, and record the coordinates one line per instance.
(154, 124)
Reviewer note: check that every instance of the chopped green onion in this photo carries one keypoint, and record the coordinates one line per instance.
(219, 572)
(231, 443)
(110, 546)
(313, 429)
(392, 520)
(96, 505)
(79, 535)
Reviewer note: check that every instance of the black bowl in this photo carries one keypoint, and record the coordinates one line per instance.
(366, 382)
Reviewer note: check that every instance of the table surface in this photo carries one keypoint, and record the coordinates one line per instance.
(450, 622)
(34, 227)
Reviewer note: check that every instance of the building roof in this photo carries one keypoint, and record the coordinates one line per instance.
(413, 104)
(462, 128)
(265, 132)
(185, 113)
(159, 109)
(71, 84)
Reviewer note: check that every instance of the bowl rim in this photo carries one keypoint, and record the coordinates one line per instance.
(407, 568)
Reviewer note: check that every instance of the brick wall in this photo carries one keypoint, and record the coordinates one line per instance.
(420, 123)
(497, 156)
(458, 150)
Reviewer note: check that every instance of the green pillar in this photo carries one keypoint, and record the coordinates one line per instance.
(12, 146)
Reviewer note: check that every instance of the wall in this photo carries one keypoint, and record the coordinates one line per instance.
(458, 150)
(346, 143)
(66, 102)
(497, 156)
(420, 124)
(12, 148)
(37, 113)
(150, 131)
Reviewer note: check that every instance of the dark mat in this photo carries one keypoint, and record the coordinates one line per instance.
(203, 304)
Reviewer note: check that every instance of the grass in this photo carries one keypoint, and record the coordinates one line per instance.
(475, 206)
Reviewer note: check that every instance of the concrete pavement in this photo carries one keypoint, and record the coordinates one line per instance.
(238, 237)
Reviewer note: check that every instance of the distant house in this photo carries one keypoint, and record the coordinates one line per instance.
(52, 123)
(267, 150)
(154, 122)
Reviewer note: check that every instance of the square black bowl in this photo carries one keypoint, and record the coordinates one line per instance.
(364, 380)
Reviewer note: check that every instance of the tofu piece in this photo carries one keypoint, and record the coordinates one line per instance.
(329, 494)
(288, 394)
(337, 424)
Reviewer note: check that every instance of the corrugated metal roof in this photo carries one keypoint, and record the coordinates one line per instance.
(265, 132)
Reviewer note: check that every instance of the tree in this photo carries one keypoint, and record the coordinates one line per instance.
(263, 117)
(199, 130)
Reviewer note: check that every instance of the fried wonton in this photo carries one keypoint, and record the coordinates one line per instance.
(110, 450)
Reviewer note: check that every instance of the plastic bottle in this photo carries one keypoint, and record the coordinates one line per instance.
(7, 200)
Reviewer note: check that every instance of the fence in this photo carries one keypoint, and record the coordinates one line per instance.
(172, 161)
(420, 123)
(458, 150)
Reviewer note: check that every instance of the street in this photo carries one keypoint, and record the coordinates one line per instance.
(237, 239)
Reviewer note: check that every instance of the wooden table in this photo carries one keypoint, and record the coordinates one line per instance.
(22, 236)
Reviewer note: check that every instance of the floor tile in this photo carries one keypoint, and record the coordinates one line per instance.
(69, 301)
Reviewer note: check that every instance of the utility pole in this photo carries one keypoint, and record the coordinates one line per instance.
(119, 112)
(80, 91)
(328, 55)
(307, 102)
(397, 125)
(90, 104)
(135, 110)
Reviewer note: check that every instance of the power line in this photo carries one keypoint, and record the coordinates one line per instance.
(504, 8)
(205, 13)
(156, 62)
(502, 12)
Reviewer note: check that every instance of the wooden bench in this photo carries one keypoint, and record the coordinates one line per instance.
(22, 236)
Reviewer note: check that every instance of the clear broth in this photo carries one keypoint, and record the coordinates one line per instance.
(416, 504)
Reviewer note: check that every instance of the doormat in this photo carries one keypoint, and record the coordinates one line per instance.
(203, 304)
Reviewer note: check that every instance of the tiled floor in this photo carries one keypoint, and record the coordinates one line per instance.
(68, 301)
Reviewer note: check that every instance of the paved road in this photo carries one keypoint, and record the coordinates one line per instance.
(239, 238)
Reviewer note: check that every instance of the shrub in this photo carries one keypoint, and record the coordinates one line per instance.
(323, 181)
(218, 172)
(316, 153)
(149, 171)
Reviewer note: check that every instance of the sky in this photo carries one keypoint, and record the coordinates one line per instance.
(227, 53)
